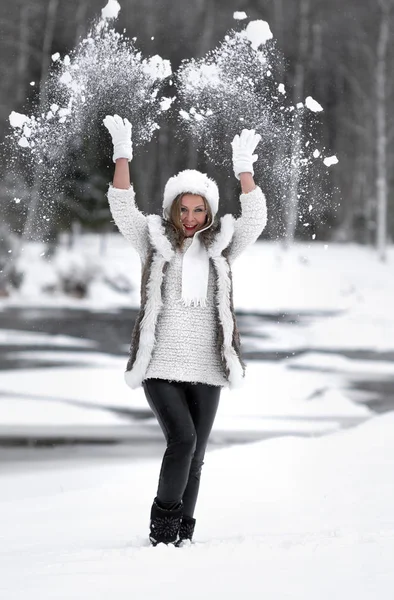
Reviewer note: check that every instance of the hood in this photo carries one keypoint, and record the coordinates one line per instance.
(190, 181)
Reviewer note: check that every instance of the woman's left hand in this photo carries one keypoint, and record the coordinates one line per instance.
(243, 147)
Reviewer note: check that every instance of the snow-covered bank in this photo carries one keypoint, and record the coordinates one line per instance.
(346, 281)
(286, 518)
(92, 401)
(306, 277)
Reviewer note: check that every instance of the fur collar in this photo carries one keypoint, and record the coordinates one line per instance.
(159, 238)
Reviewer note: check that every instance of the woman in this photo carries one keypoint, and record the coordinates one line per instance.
(185, 344)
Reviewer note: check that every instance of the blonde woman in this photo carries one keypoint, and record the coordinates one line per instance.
(185, 344)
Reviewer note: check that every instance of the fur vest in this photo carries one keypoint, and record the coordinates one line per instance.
(162, 247)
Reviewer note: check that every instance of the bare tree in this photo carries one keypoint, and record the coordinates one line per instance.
(299, 83)
(23, 53)
(35, 196)
(385, 7)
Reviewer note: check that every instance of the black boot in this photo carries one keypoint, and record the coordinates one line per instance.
(164, 524)
(186, 530)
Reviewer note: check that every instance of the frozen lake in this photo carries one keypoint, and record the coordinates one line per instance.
(108, 332)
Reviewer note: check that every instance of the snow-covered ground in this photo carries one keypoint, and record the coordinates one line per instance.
(291, 517)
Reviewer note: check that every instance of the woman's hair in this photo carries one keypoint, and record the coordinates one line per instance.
(176, 219)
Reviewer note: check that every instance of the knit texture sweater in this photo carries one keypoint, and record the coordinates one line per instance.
(186, 347)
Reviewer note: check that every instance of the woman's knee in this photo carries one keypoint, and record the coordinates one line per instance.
(184, 443)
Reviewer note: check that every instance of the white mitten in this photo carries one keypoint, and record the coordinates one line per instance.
(243, 147)
(120, 130)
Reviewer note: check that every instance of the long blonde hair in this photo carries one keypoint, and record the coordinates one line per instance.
(176, 219)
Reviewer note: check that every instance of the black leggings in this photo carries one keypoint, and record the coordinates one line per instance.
(186, 413)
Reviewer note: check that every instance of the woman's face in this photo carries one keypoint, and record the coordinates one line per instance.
(193, 213)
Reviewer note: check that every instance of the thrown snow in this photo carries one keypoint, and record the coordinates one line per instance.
(66, 78)
(93, 80)
(313, 105)
(111, 10)
(201, 75)
(17, 119)
(27, 131)
(240, 15)
(316, 153)
(165, 103)
(330, 160)
(157, 67)
(258, 33)
(281, 88)
(23, 143)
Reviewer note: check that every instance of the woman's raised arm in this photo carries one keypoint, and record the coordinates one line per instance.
(130, 221)
(122, 174)
(251, 223)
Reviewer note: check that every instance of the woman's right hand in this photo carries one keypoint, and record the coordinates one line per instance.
(120, 130)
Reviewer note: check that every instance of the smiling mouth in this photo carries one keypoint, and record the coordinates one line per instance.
(190, 227)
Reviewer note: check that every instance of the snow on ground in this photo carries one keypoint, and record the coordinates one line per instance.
(299, 518)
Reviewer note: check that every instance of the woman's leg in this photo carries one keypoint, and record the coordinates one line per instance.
(168, 402)
(202, 401)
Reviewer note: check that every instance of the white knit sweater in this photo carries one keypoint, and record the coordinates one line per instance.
(186, 348)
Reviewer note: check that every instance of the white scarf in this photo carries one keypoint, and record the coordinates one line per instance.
(195, 273)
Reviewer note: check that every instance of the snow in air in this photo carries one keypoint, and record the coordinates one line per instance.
(18, 119)
(330, 160)
(111, 10)
(233, 87)
(258, 33)
(313, 105)
(240, 15)
(156, 67)
(165, 103)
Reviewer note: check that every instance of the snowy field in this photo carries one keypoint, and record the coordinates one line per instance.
(299, 515)
(299, 518)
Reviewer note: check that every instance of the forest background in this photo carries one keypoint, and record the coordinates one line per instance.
(339, 52)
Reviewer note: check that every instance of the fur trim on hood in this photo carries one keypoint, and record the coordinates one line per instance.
(190, 181)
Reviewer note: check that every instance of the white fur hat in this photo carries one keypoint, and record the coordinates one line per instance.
(190, 182)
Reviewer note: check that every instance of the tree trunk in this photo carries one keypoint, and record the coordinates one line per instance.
(35, 194)
(291, 211)
(381, 136)
(80, 20)
(205, 14)
(23, 53)
(47, 45)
